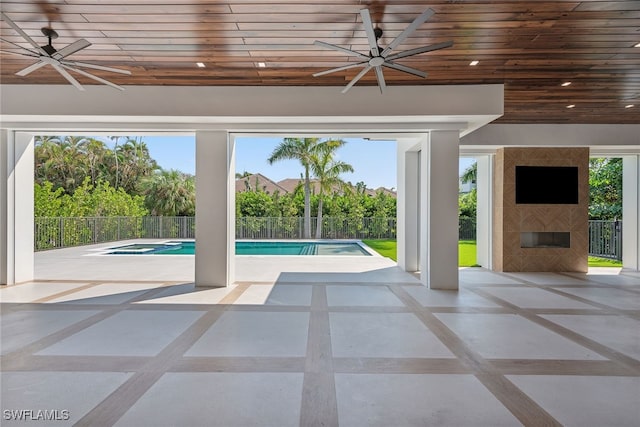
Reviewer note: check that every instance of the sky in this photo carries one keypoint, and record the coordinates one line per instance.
(374, 162)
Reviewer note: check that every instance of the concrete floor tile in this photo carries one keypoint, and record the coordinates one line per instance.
(526, 297)
(75, 392)
(583, 400)
(128, 333)
(244, 333)
(508, 336)
(26, 326)
(417, 400)
(219, 399)
(345, 295)
(383, 335)
(619, 333)
(439, 298)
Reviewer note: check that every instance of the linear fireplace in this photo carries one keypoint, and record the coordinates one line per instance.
(545, 239)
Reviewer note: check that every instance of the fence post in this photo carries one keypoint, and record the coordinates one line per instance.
(61, 232)
(619, 237)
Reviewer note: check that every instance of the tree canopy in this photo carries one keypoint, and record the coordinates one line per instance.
(605, 188)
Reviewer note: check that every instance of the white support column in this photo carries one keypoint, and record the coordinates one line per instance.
(408, 199)
(439, 210)
(484, 208)
(16, 207)
(630, 215)
(4, 209)
(215, 209)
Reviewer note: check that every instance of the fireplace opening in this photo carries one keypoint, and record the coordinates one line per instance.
(545, 239)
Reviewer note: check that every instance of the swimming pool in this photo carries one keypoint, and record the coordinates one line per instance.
(245, 248)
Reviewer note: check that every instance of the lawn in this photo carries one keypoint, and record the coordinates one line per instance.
(466, 253)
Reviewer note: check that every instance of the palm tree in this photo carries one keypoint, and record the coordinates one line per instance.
(170, 193)
(135, 164)
(303, 150)
(115, 156)
(95, 151)
(327, 171)
(470, 174)
(46, 148)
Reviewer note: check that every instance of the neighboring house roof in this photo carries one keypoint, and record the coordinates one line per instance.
(386, 191)
(258, 181)
(289, 185)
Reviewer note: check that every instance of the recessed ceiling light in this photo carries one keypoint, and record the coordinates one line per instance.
(629, 106)
(637, 45)
(200, 64)
(261, 64)
(571, 106)
(474, 63)
(565, 84)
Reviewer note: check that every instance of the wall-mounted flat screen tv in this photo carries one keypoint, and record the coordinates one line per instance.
(547, 184)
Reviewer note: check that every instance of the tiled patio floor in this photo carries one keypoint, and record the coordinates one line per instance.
(308, 349)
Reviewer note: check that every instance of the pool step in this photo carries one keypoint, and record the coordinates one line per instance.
(309, 249)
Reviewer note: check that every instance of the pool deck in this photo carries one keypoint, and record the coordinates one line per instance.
(85, 263)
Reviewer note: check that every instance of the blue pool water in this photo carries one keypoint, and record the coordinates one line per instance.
(245, 248)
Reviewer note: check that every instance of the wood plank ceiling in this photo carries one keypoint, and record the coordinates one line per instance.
(530, 46)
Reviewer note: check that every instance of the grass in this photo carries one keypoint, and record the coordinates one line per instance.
(388, 248)
(603, 262)
(466, 253)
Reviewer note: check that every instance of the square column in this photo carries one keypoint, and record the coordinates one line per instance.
(484, 219)
(630, 216)
(215, 209)
(408, 158)
(439, 209)
(16, 207)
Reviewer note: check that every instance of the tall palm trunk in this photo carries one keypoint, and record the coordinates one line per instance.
(319, 225)
(307, 204)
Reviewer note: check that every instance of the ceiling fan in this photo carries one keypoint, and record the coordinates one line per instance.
(379, 57)
(48, 55)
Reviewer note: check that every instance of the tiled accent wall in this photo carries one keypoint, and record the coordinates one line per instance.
(511, 219)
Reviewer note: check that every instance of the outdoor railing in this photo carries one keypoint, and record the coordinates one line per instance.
(52, 233)
(605, 237)
(332, 228)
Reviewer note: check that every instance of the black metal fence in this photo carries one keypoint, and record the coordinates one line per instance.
(332, 228)
(52, 233)
(605, 237)
(466, 228)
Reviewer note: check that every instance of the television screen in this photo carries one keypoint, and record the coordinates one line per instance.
(547, 184)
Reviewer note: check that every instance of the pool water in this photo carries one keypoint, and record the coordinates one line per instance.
(245, 248)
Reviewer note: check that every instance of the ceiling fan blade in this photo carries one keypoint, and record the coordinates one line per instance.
(344, 67)
(36, 54)
(96, 67)
(91, 76)
(24, 35)
(67, 76)
(19, 54)
(421, 19)
(418, 50)
(71, 49)
(381, 83)
(405, 69)
(341, 49)
(31, 68)
(368, 28)
(356, 78)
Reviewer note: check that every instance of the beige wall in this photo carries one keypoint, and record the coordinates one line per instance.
(511, 219)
